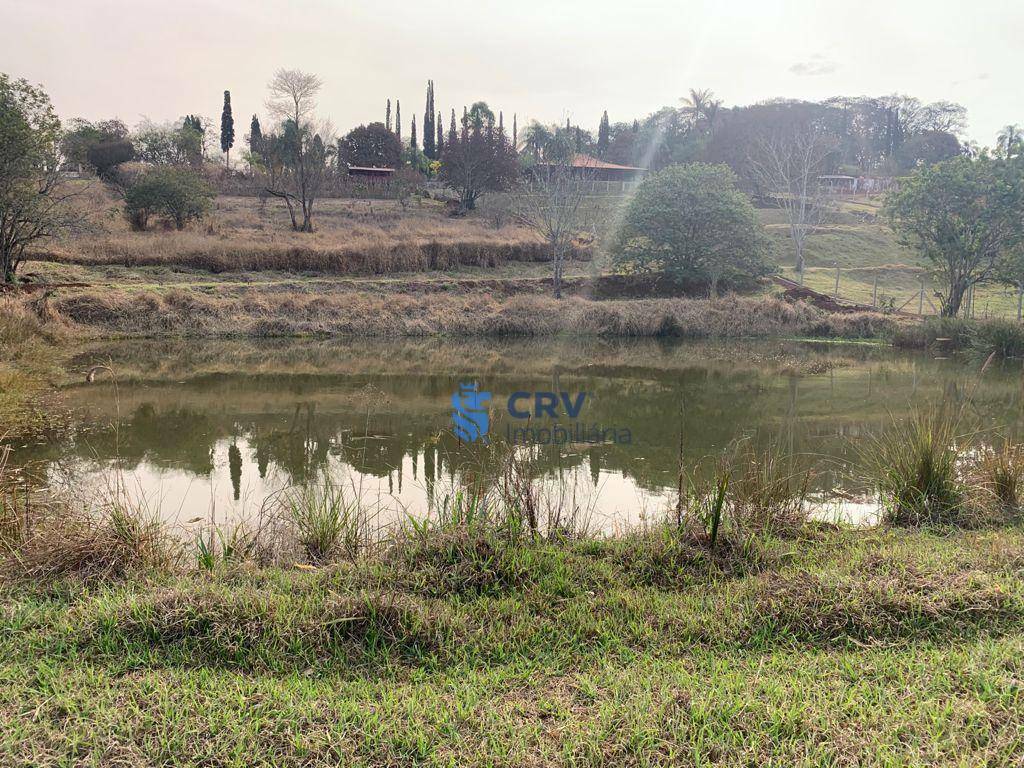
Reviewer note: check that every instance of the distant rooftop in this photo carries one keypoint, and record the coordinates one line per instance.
(580, 160)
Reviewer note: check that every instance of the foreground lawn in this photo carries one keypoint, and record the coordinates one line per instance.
(877, 648)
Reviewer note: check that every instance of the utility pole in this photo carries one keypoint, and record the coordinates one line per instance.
(874, 292)
(837, 279)
(920, 299)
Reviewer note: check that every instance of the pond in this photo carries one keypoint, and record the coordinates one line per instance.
(214, 431)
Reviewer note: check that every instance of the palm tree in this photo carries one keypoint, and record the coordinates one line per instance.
(1010, 141)
(701, 106)
(536, 138)
(696, 104)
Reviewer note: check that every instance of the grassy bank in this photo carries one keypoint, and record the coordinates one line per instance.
(1004, 338)
(312, 311)
(856, 648)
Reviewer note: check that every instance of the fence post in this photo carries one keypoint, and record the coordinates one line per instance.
(874, 292)
(837, 280)
(920, 300)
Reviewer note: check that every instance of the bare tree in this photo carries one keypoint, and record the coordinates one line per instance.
(552, 203)
(297, 158)
(788, 169)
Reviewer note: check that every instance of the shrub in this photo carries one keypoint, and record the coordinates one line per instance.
(176, 193)
(327, 524)
(692, 223)
(105, 155)
(113, 542)
(914, 466)
(999, 471)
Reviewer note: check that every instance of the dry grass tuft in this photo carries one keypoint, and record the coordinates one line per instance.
(882, 607)
(999, 473)
(379, 621)
(60, 540)
(767, 494)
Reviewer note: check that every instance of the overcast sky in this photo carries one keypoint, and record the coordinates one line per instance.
(544, 59)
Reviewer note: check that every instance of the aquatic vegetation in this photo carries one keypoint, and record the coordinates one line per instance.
(915, 465)
(999, 470)
(328, 522)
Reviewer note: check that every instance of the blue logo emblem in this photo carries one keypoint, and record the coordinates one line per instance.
(470, 419)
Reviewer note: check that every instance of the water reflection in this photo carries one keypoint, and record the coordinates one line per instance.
(215, 429)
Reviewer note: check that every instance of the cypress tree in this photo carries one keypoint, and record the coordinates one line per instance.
(636, 126)
(227, 129)
(453, 133)
(603, 135)
(255, 136)
(412, 137)
(398, 119)
(428, 122)
(440, 136)
(515, 131)
(387, 116)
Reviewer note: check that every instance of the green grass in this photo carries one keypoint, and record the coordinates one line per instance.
(865, 250)
(869, 648)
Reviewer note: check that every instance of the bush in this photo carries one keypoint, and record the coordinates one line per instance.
(176, 193)
(915, 467)
(109, 154)
(692, 223)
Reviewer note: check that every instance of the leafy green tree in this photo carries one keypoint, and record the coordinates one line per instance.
(692, 223)
(477, 161)
(81, 136)
(370, 146)
(1010, 271)
(33, 198)
(177, 193)
(227, 129)
(962, 215)
(168, 146)
(480, 115)
(107, 155)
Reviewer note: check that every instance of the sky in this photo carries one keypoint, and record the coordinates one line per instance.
(552, 60)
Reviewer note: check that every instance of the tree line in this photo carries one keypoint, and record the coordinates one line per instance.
(960, 206)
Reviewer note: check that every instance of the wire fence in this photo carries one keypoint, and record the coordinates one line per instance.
(881, 290)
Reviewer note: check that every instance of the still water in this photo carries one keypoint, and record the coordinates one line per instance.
(215, 431)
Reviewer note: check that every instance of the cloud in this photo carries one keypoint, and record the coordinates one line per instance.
(976, 78)
(816, 65)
